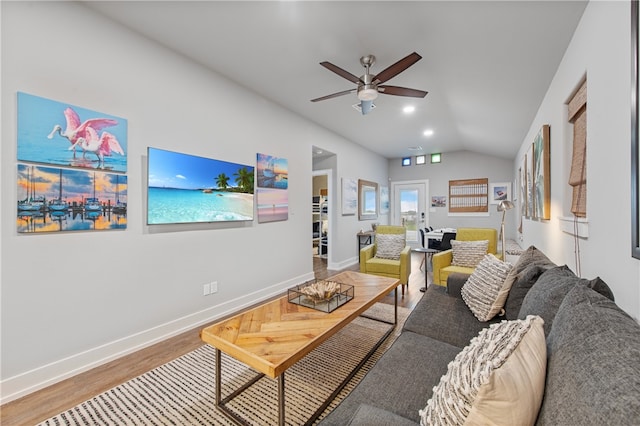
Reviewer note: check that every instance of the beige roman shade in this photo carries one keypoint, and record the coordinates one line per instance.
(578, 175)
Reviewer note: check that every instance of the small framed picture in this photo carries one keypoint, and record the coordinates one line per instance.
(439, 201)
(500, 191)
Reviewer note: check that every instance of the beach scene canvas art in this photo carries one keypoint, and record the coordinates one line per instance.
(56, 199)
(272, 188)
(61, 134)
(185, 188)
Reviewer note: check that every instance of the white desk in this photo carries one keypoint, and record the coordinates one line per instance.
(437, 234)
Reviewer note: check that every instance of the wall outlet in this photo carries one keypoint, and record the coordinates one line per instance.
(213, 288)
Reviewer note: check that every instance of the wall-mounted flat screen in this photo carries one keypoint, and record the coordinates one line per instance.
(183, 188)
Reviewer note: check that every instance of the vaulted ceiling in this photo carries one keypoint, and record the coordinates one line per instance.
(485, 64)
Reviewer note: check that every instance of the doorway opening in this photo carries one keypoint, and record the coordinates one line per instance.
(322, 204)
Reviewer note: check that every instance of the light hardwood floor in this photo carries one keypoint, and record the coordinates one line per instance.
(54, 399)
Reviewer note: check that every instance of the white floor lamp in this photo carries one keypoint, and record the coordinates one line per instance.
(503, 207)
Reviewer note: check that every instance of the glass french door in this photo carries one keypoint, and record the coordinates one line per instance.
(410, 208)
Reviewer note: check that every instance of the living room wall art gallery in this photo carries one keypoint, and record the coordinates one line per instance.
(60, 197)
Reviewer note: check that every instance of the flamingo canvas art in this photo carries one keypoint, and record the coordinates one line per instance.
(56, 133)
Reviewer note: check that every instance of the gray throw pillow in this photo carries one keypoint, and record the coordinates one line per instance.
(549, 291)
(521, 286)
(593, 369)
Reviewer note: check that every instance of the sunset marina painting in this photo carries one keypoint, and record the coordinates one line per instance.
(55, 199)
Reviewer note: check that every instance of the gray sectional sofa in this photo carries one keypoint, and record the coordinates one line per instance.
(593, 351)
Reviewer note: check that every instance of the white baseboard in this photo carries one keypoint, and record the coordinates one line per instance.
(343, 265)
(28, 382)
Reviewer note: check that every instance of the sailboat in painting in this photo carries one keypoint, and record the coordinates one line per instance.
(93, 204)
(58, 204)
(119, 207)
(269, 169)
(32, 202)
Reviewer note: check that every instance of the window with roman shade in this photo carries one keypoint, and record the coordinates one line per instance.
(578, 174)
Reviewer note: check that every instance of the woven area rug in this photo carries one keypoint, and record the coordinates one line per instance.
(182, 392)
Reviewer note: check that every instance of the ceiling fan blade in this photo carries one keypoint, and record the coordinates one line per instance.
(334, 95)
(402, 91)
(398, 67)
(342, 73)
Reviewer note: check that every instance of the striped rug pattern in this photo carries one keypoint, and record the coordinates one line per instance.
(182, 392)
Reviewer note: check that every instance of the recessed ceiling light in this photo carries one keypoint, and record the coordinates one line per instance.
(428, 132)
(409, 109)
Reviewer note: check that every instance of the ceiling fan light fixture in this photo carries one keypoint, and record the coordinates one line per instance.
(367, 94)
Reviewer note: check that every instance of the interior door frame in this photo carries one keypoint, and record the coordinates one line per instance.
(331, 201)
(395, 217)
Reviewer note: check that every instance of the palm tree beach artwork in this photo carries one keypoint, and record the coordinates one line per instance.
(185, 188)
(56, 133)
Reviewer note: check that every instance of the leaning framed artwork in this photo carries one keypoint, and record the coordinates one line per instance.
(541, 175)
(528, 181)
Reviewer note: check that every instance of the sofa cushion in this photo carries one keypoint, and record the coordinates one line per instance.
(521, 286)
(497, 379)
(401, 381)
(366, 415)
(444, 317)
(593, 370)
(448, 270)
(389, 246)
(549, 291)
(483, 287)
(468, 253)
(383, 266)
(523, 274)
(530, 256)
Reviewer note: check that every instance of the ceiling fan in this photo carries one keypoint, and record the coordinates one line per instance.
(369, 85)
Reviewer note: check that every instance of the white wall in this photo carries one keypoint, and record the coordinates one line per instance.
(71, 301)
(601, 50)
(459, 165)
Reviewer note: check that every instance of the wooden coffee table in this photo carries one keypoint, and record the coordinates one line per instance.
(273, 336)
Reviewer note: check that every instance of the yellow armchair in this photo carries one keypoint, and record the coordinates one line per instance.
(400, 269)
(442, 266)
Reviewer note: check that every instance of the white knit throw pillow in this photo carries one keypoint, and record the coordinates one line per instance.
(497, 379)
(468, 253)
(389, 246)
(482, 292)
